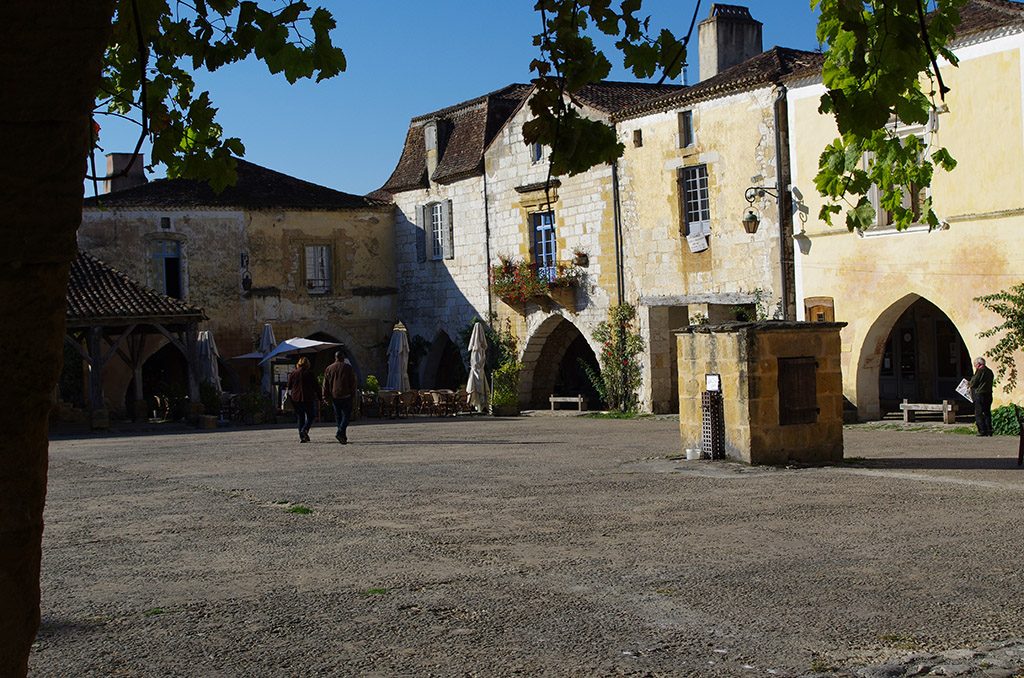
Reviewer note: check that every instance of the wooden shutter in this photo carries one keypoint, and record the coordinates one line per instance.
(798, 391)
(422, 223)
(446, 227)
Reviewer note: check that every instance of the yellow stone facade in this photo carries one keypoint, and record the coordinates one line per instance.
(908, 297)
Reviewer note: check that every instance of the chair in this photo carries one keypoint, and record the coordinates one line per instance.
(445, 403)
(388, 403)
(462, 401)
(408, 401)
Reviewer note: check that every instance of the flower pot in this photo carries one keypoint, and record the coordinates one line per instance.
(582, 259)
(505, 410)
(564, 297)
(519, 306)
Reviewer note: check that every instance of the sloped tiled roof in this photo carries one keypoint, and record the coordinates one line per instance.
(767, 67)
(466, 129)
(99, 294)
(612, 97)
(468, 126)
(983, 15)
(257, 188)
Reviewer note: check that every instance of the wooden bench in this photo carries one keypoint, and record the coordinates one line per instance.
(579, 400)
(947, 407)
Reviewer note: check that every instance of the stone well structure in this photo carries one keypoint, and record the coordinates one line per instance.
(781, 389)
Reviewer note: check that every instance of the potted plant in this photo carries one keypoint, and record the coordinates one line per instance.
(505, 389)
(516, 282)
(252, 405)
(580, 256)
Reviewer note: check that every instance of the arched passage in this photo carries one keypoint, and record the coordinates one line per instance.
(913, 350)
(552, 364)
(322, 359)
(443, 366)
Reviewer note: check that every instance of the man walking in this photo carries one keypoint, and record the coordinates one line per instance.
(981, 392)
(340, 387)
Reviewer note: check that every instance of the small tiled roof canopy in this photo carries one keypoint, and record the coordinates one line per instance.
(257, 188)
(100, 295)
(467, 129)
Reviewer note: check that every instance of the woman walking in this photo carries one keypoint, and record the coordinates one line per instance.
(305, 392)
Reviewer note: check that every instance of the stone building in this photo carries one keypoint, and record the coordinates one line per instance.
(908, 296)
(312, 261)
(469, 192)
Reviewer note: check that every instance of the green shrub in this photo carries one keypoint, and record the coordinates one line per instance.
(506, 384)
(210, 397)
(372, 384)
(1004, 421)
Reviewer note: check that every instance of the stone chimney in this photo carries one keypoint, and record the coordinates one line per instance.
(116, 163)
(729, 36)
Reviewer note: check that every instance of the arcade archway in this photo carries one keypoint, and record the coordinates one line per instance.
(553, 364)
(912, 351)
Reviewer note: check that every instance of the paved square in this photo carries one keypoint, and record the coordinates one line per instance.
(547, 545)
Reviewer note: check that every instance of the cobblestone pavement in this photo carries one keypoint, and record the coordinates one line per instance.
(539, 546)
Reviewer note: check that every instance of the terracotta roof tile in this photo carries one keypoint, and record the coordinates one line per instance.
(767, 67)
(465, 129)
(100, 294)
(982, 15)
(257, 188)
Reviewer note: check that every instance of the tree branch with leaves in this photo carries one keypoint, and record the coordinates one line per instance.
(877, 53)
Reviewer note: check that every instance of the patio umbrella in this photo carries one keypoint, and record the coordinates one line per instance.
(207, 349)
(477, 385)
(298, 346)
(398, 359)
(267, 344)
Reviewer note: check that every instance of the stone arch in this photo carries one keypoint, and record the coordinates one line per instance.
(871, 367)
(443, 366)
(324, 358)
(545, 367)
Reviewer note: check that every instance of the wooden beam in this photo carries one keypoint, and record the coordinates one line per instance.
(77, 344)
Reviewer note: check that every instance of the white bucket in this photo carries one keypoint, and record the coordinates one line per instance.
(692, 454)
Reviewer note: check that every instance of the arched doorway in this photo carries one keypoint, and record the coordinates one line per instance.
(553, 364)
(913, 351)
(444, 366)
(164, 375)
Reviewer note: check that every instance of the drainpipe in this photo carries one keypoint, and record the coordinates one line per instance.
(620, 278)
(487, 247)
(785, 198)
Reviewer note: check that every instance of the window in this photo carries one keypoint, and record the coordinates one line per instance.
(686, 129)
(544, 246)
(798, 391)
(165, 223)
(536, 152)
(167, 267)
(914, 199)
(695, 207)
(435, 223)
(638, 138)
(318, 269)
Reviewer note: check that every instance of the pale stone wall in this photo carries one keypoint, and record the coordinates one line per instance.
(442, 295)
(583, 209)
(360, 310)
(746, 357)
(873, 279)
(734, 136)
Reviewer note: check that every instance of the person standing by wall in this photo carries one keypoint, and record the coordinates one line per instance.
(304, 392)
(340, 387)
(981, 392)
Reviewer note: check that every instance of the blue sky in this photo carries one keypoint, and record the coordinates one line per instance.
(406, 58)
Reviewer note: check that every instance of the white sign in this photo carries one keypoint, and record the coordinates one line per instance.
(712, 382)
(964, 390)
(698, 242)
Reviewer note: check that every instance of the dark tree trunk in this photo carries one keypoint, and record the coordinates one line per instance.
(49, 68)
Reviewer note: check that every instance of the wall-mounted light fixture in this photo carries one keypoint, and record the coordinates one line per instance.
(243, 263)
(750, 218)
